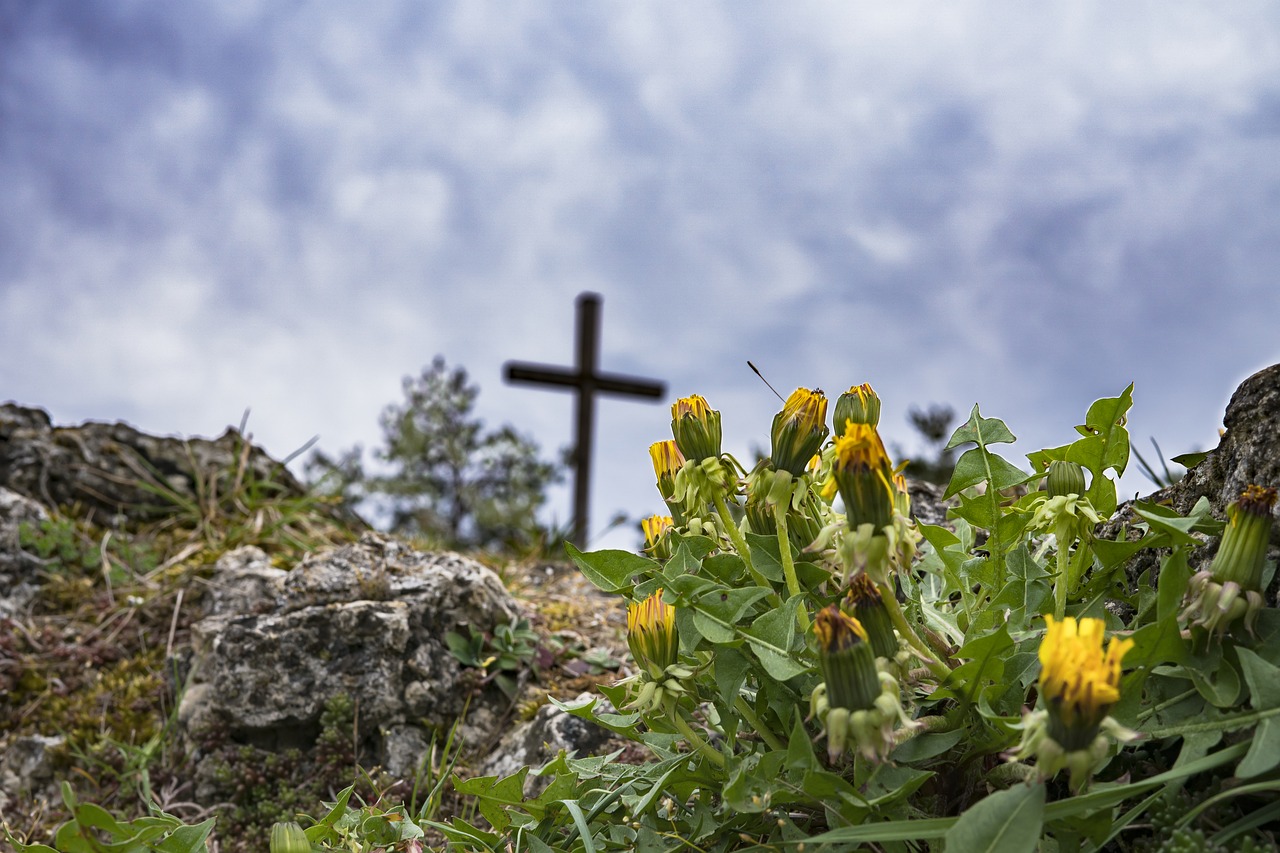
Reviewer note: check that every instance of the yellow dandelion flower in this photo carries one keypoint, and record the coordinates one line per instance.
(1079, 680)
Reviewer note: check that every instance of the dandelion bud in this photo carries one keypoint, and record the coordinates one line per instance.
(288, 837)
(1231, 588)
(1243, 551)
(656, 539)
(667, 461)
(859, 405)
(864, 477)
(866, 605)
(799, 430)
(651, 634)
(901, 496)
(1065, 478)
(696, 427)
(847, 660)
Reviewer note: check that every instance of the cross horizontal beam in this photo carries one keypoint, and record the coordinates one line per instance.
(604, 383)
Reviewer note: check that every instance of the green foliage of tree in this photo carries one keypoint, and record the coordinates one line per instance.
(450, 480)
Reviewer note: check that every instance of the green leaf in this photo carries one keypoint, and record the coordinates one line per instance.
(978, 465)
(922, 747)
(1006, 822)
(612, 571)
(766, 556)
(494, 795)
(716, 612)
(187, 839)
(1264, 695)
(771, 638)
(981, 431)
(984, 664)
(688, 553)
(1104, 446)
(731, 668)
(1027, 589)
(1190, 460)
(1164, 520)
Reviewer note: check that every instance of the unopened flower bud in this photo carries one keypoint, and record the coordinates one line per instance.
(288, 837)
(901, 496)
(651, 634)
(696, 427)
(657, 540)
(1243, 551)
(667, 461)
(847, 661)
(864, 477)
(799, 430)
(859, 404)
(866, 605)
(1065, 478)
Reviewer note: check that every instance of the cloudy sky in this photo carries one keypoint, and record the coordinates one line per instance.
(213, 206)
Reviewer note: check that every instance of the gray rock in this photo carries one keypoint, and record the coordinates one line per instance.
(244, 581)
(18, 569)
(367, 620)
(27, 768)
(1248, 453)
(113, 469)
(541, 739)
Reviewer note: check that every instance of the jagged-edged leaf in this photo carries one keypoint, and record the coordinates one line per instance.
(981, 431)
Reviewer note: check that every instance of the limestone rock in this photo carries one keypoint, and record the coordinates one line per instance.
(541, 739)
(27, 768)
(18, 569)
(1248, 452)
(113, 469)
(367, 620)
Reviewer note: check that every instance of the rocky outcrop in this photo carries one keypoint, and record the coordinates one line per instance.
(19, 569)
(366, 621)
(109, 470)
(1248, 453)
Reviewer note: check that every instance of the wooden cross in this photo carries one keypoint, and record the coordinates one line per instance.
(586, 382)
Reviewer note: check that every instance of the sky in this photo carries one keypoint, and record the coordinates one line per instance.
(207, 207)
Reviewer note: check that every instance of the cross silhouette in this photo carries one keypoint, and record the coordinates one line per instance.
(586, 382)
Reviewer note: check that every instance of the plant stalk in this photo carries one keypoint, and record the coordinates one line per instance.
(935, 664)
(695, 740)
(788, 563)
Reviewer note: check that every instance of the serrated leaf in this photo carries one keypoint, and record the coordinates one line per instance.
(612, 571)
(771, 638)
(1027, 589)
(1006, 822)
(981, 431)
(978, 465)
(688, 553)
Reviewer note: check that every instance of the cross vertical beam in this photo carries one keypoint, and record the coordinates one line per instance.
(586, 382)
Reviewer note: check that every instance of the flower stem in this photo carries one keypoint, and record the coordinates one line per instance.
(909, 634)
(1062, 581)
(739, 542)
(758, 727)
(788, 563)
(695, 740)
